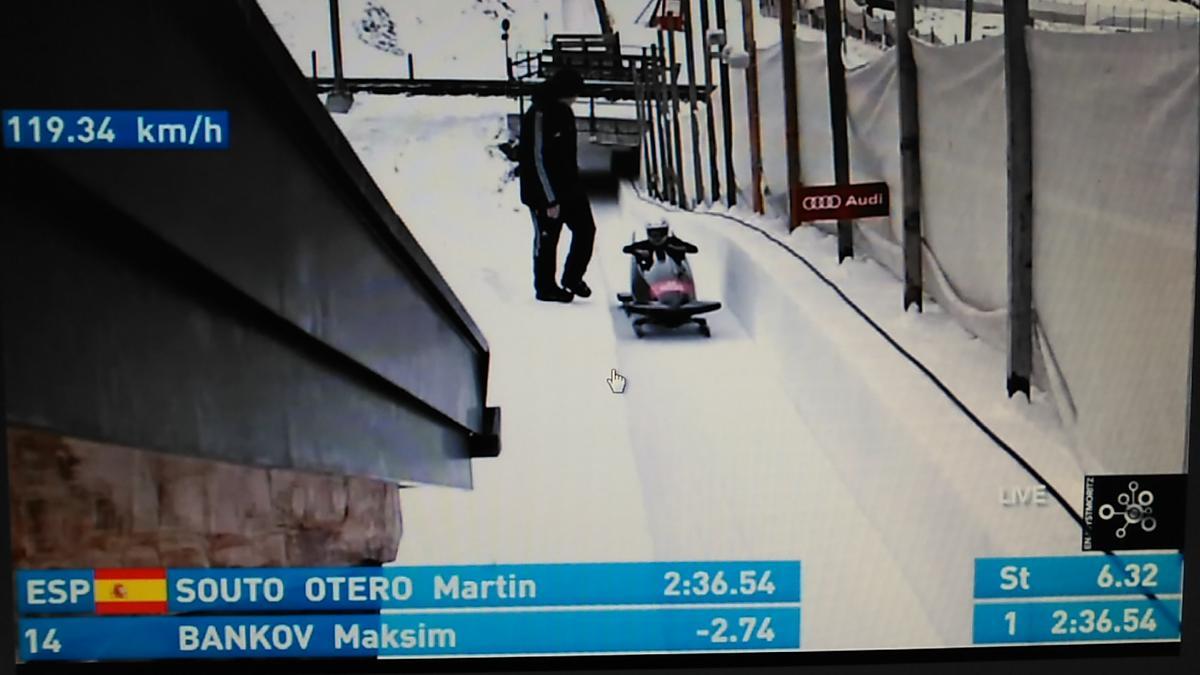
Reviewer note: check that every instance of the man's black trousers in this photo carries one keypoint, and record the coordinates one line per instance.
(576, 213)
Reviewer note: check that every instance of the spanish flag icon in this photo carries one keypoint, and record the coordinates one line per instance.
(141, 590)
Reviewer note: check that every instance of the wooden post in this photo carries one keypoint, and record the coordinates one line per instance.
(967, 21)
(751, 106)
(727, 118)
(651, 123)
(910, 156)
(680, 188)
(690, 58)
(668, 133)
(641, 80)
(664, 125)
(791, 106)
(410, 66)
(714, 175)
(641, 120)
(837, 117)
(1020, 197)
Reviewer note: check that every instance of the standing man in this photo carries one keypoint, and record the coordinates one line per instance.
(551, 188)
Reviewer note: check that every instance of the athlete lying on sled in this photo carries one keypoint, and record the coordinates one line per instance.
(663, 290)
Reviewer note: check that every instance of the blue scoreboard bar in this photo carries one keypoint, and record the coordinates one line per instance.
(422, 611)
(500, 633)
(1085, 598)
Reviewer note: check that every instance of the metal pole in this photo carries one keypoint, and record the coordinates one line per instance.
(708, 100)
(1020, 197)
(507, 54)
(967, 27)
(787, 31)
(335, 28)
(339, 100)
(910, 155)
(690, 58)
(680, 188)
(727, 113)
(837, 116)
(410, 66)
(602, 14)
(752, 107)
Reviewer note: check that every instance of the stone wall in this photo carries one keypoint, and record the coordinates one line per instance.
(79, 504)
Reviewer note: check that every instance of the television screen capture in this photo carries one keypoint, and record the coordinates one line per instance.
(431, 329)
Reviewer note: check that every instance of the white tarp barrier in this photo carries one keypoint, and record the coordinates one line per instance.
(1112, 298)
(1115, 189)
(816, 135)
(873, 104)
(872, 100)
(773, 133)
(964, 209)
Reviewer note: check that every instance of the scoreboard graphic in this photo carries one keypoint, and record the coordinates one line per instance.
(1093, 598)
(586, 608)
(547, 609)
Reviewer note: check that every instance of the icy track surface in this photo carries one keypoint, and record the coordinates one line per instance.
(793, 433)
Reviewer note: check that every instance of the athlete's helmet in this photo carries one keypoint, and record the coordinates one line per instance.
(657, 233)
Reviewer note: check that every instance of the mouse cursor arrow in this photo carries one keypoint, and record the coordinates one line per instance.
(616, 382)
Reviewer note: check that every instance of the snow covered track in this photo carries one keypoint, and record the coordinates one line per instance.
(795, 432)
(728, 470)
(933, 378)
(928, 483)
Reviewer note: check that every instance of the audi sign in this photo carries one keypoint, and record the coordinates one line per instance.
(847, 202)
(821, 202)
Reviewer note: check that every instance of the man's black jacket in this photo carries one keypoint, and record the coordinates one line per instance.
(549, 169)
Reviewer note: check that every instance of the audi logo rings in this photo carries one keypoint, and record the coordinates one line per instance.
(821, 202)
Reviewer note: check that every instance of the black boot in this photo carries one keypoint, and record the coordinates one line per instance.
(554, 294)
(579, 288)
